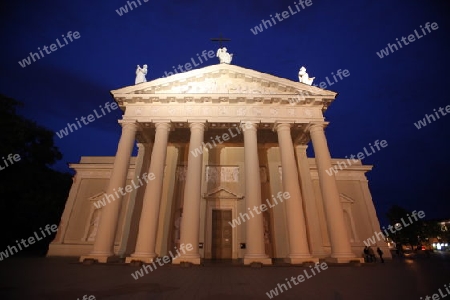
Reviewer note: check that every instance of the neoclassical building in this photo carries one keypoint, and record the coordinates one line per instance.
(222, 167)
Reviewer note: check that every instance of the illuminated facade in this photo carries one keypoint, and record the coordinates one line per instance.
(224, 145)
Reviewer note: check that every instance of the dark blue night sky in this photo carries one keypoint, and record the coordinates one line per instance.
(381, 99)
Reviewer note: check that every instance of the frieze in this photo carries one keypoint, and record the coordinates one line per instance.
(217, 174)
(175, 111)
(221, 86)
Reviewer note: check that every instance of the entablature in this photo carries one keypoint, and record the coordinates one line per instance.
(215, 113)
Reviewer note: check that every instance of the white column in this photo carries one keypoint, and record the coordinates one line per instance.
(311, 211)
(190, 223)
(104, 240)
(148, 223)
(298, 240)
(254, 226)
(129, 228)
(340, 244)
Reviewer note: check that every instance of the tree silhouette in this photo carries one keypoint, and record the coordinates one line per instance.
(411, 231)
(32, 195)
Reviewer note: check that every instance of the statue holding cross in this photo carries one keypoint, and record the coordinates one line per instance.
(222, 54)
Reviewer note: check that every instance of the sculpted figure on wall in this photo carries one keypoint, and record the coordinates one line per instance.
(263, 174)
(181, 173)
(177, 225)
(93, 227)
(266, 229)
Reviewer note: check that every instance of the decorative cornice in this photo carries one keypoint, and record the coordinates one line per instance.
(224, 83)
(223, 70)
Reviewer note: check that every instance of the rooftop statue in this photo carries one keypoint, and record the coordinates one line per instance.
(304, 77)
(140, 74)
(224, 56)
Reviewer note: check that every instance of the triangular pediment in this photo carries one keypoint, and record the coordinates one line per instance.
(222, 193)
(221, 79)
(97, 196)
(346, 199)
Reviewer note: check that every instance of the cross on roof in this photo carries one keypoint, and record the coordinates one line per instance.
(220, 40)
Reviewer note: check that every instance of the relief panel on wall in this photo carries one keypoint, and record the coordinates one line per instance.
(218, 174)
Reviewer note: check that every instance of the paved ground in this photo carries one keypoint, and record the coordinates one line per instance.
(62, 278)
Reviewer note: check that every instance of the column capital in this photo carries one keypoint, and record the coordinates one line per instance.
(249, 125)
(163, 125)
(314, 127)
(283, 126)
(197, 125)
(129, 123)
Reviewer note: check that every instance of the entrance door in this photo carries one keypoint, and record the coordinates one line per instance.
(221, 246)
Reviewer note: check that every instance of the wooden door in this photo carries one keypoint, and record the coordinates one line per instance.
(222, 240)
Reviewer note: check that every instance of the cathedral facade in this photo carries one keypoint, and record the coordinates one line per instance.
(222, 171)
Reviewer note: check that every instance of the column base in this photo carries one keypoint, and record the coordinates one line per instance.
(143, 259)
(301, 260)
(263, 259)
(103, 259)
(193, 259)
(320, 254)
